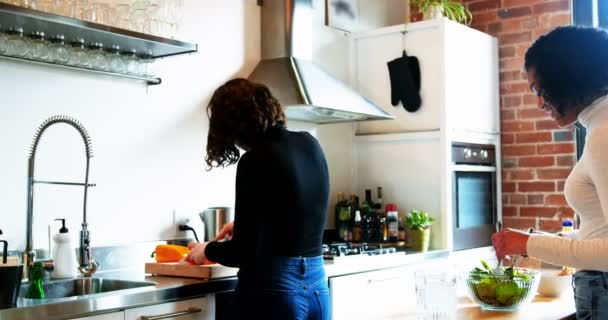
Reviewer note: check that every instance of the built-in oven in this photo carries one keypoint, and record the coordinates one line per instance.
(474, 194)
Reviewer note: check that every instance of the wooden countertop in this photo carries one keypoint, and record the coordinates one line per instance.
(541, 308)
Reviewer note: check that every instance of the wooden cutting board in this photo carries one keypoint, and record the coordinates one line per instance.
(212, 271)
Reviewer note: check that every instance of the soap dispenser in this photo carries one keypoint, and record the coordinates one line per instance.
(64, 255)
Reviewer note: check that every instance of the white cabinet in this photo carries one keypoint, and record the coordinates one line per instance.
(459, 76)
(382, 294)
(108, 316)
(196, 309)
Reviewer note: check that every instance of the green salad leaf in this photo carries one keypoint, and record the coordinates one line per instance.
(506, 289)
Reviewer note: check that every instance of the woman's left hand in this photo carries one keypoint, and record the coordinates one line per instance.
(510, 242)
(197, 252)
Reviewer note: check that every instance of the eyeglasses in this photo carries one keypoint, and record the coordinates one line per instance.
(539, 94)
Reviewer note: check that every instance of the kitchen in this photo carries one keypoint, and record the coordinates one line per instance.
(148, 141)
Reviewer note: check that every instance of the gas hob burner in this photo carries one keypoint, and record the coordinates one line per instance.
(342, 249)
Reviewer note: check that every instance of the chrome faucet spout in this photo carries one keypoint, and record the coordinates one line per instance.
(85, 249)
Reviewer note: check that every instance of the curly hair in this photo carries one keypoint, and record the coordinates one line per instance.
(240, 112)
(571, 67)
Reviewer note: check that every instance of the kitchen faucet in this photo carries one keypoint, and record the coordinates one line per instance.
(88, 266)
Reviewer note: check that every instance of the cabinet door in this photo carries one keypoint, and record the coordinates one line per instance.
(196, 309)
(384, 294)
(109, 316)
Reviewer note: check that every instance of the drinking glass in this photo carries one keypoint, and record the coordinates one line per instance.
(38, 46)
(131, 62)
(436, 295)
(58, 51)
(16, 43)
(97, 57)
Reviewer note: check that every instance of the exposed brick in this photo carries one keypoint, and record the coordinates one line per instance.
(484, 17)
(537, 211)
(530, 99)
(511, 26)
(565, 213)
(505, 198)
(551, 6)
(532, 113)
(560, 185)
(510, 76)
(558, 148)
(550, 225)
(506, 52)
(519, 150)
(509, 211)
(566, 161)
(517, 3)
(546, 125)
(508, 187)
(520, 175)
(507, 114)
(519, 223)
(507, 138)
(556, 200)
(517, 198)
(536, 186)
(530, 162)
(530, 23)
(484, 5)
(536, 199)
(516, 87)
(511, 64)
(514, 12)
(517, 126)
(553, 174)
(518, 37)
(533, 137)
(509, 163)
(495, 28)
(561, 19)
(536, 33)
(560, 136)
(511, 101)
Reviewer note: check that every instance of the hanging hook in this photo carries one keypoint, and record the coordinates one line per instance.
(403, 34)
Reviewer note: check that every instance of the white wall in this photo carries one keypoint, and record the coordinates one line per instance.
(148, 142)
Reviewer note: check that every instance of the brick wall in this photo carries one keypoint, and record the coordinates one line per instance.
(537, 156)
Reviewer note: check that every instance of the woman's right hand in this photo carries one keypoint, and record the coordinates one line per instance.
(227, 231)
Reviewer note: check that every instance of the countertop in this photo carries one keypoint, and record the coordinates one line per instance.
(541, 308)
(166, 289)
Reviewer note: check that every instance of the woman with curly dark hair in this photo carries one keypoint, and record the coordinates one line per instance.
(282, 195)
(568, 70)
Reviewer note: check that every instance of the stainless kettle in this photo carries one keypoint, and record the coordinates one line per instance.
(214, 219)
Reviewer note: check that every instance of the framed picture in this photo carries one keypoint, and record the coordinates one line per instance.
(342, 14)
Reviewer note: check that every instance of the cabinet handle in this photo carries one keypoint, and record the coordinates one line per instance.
(173, 314)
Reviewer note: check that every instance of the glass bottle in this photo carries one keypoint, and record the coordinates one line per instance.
(115, 61)
(58, 51)
(342, 217)
(36, 290)
(38, 46)
(97, 57)
(78, 54)
(131, 61)
(16, 44)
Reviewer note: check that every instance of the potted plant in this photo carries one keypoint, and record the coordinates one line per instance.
(434, 9)
(419, 224)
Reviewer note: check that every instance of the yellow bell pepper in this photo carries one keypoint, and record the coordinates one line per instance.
(170, 253)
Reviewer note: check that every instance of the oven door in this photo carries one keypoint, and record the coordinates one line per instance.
(474, 205)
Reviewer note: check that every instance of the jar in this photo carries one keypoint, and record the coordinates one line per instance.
(131, 62)
(115, 61)
(16, 44)
(78, 54)
(38, 46)
(58, 51)
(145, 69)
(97, 57)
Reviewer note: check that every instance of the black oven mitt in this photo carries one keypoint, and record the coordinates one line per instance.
(404, 74)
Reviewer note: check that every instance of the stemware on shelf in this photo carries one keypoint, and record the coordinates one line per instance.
(38, 46)
(58, 51)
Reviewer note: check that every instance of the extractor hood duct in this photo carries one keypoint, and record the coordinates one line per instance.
(307, 92)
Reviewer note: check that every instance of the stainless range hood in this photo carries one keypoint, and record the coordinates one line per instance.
(307, 92)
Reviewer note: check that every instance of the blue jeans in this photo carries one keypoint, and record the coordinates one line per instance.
(591, 295)
(284, 288)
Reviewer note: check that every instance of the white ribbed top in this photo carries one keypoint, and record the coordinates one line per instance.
(586, 191)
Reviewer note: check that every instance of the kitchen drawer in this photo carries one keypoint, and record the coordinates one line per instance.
(109, 316)
(166, 311)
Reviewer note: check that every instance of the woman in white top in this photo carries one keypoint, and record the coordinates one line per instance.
(568, 70)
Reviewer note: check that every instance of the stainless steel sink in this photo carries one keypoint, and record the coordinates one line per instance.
(84, 286)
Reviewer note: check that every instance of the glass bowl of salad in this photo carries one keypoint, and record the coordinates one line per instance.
(507, 290)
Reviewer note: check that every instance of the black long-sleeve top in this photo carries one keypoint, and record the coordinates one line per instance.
(282, 195)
